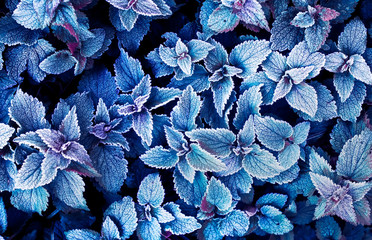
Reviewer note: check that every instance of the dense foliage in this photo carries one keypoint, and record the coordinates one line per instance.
(171, 119)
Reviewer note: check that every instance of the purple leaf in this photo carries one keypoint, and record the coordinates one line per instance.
(252, 13)
(76, 152)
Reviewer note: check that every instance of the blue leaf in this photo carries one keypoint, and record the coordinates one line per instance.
(206, 10)
(91, 46)
(198, 50)
(8, 172)
(187, 171)
(162, 215)
(198, 80)
(316, 35)
(100, 84)
(124, 214)
(248, 55)
(185, 65)
(23, 57)
(273, 221)
(319, 165)
(305, 213)
(215, 141)
(82, 234)
(69, 126)
(84, 111)
(69, 187)
(272, 133)
(289, 156)
(30, 175)
(151, 191)
(235, 224)
(247, 134)
(284, 35)
(184, 114)
(275, 66)
(300, 132)
(218, 195)
(335, 61)
(182, 224)
(143, 125)
(327, 228)
(210, 115)
(352, 107)
(168, 55)
(353, 40)
(303, 20)
(301, 56)
(36, 15)
(33, 200)
(203, 161)
(159, 157)
(287, 176)
(221, 92)
(58, 63)
(216, 58)
(111, 164)
(149, 229)
(175, 138)
(238, 183)
(161, 96)
(12, 33)
(343, 131)
(261, 163)
(303, 97)
(131, 40)
(25, 105)
(354, 160)
(159, 68)
(357, 190)
(212, 230)
(3, 217)
(249, 103)
(5, 133)
(109, 229)
(128, 18)
(160, 121)
(360, 70)
(222, 19)
(128, 72)
(191, 193)
(274, 199)
(326, 104)
(282, 89)
(344, 84)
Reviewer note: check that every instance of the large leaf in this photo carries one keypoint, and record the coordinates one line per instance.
(248, 55)
(355, 158)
